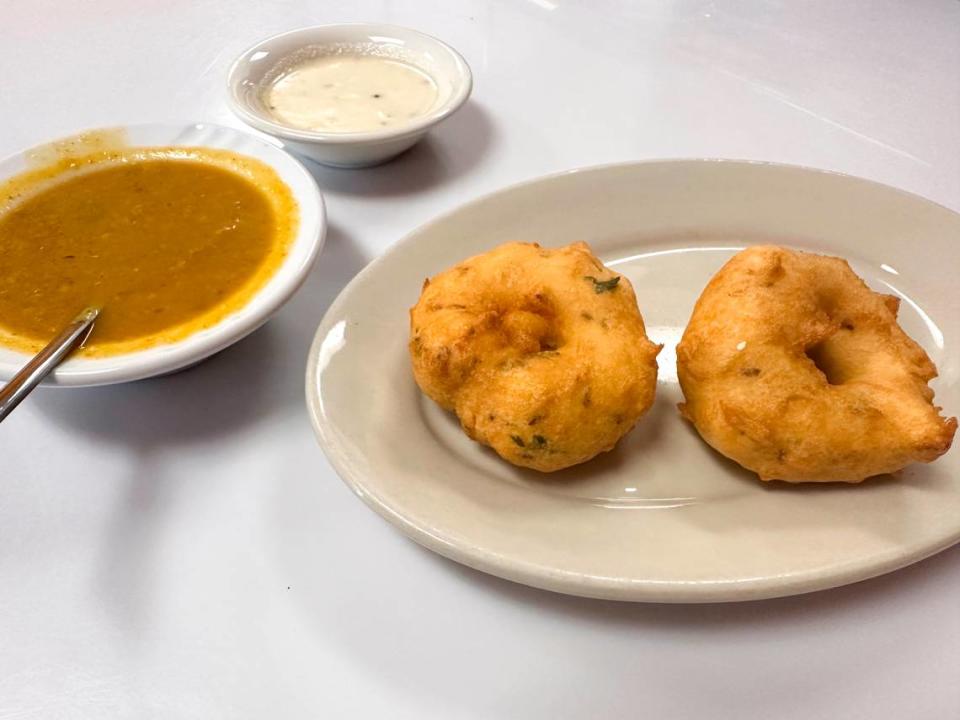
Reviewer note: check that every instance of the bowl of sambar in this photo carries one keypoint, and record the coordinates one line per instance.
(188, 238)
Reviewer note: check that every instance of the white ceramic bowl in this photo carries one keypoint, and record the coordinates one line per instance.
(359, 149)
(166, 358)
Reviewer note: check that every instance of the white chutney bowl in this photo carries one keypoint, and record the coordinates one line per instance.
(251, 72)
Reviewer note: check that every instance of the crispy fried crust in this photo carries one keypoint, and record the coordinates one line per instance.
(794, 368)
(542, 354)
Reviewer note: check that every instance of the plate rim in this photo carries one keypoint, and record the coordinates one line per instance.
(566, 581)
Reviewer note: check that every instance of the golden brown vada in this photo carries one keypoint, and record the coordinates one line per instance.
(794, 368)
(542, 354)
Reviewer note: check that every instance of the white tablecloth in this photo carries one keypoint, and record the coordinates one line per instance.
(180, 548)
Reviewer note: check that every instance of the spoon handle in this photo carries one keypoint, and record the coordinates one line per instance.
(45, 361)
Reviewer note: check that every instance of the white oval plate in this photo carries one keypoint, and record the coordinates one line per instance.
(166, 358)
(662, 517)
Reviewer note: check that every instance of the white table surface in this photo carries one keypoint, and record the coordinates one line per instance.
(180, 548)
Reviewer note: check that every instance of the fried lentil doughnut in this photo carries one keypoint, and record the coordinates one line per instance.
(542, 354)
(794, 368)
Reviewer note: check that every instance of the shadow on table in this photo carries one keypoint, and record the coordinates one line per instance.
(238, 386)
(243, 385)
(448, 151)
(487, 646)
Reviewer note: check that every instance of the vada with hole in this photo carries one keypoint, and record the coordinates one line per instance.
(792, 367)
(541, 353)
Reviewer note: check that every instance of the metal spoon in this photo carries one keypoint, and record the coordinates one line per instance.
(46, 360)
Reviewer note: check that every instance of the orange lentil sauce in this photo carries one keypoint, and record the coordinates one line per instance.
(167, 240)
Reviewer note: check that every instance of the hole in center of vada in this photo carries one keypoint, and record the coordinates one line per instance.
(530, 332)
(820, 357)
